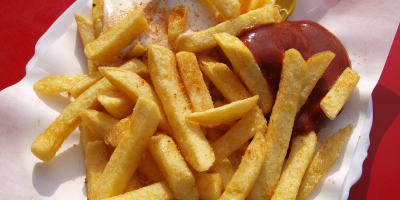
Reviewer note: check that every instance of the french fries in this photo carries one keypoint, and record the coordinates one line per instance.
(225, 169)
(177, 22)
(85, 27)
(85, 83)
(118, 104)
(97, 15)
(137, 51)
(228, 8)
(209, 185)
(156, 191)
(56, 84)
(98, 122)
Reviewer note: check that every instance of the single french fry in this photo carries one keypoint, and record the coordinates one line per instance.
(98, 122)
(137, 51)
(114, 134)
(281, 123)
(156, 191)
(84, 83)
(228, 8)
(214, 134)
(96, 158)
(177, 22)
(125, 159)
(55, 84)
(97, 16)
(244, 6)
(137, 66)
(247, 68)
(191, 140)
(134, 86)
(148, 167)
(340, 92)
(301, 153)
(209, 185)
(255, 4)
(117, 103)
(323, 161)
(241, 132)
(236, 158)
(199, 41)
(316, 66)
(173, 167)
(133, 184)
(225, 169)
(249, 169)
(213, 10)
(224, 114)
(107, 47)
(192, 79)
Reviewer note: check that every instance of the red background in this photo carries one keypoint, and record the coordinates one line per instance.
(24, 22)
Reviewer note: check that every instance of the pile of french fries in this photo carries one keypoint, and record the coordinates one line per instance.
(185, 122)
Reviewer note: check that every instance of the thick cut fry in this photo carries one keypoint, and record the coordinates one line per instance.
(210, 186)
(96, 158)
(225, 169)
(148, 167)
(85, 83)
(247, 68)
(203, 40)
(133, 184)
(156, 191)
(98, 122)
(340, 92)
(249, 169)
(213, 10)
(137, 66)
(236, 158)
(177, 22)
(97, 16)
(55, 84)
(125, 159)
(228, 8)
(241, 132)
(107, 47)
(134, 86)
(191, 140)
(137, 51)
(281, 124)
(323, 161)
(301, 153)
(316, 66)
(224, 114)
(114, 134)
(255, 4)
(117, 103)
(173, 167)
(244, 5)
(192, 79)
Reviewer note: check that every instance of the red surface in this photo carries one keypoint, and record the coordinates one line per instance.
(23, 23)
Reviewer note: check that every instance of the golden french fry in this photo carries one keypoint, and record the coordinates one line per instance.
(134, 86)
(301, 153)
(114, 134)
(203, 40)
(281, 123)
(192, 79)
(255, 4)
(247, 68)
(236, 158)
(55, 84)
(214, 134)
(225, 169)
(173, 167)
(107, 47)
(137, 51)
(224, 114)
(98, 122)
(177, 22)
(209, 185)
(125, 159)
(316, 66)
(244, 6)
(249, 169)
(191, 140)
(156, 191)
(137, 66)
(323, 161)
(228, 8)
(117, 103)
(340, 92)
(213, 10)
(148, 167)
(97, 16)
(133, 184)
(84, 83)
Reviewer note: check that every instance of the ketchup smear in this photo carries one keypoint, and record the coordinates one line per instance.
(268, 44)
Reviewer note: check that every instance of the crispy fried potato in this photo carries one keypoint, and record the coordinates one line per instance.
(249, 169)
(323, 161)
(98, 122)
(213, 10)
(236, 158)
(255, 4)
(148, 167)
(156, 191)
(107, 47)
(173, 167)
(244, 6)
(225, 169)
(224, 114)
(228, 8)
(117, 103)
(203, 40)
(97, 16)
(340, 92)
(125, 159)
(137, 51)
(84, 83)
(209, 185)
(137, 66)
(85, 27)
(55, 84)
(213, 134)
(301, 153)
(191, 140)
(133, 184)
(281, 123)
(114, 134)
(177, 22)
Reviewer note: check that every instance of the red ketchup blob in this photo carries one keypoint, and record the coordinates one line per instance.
(268, 44)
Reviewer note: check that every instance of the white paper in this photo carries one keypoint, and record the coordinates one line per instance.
(365, 27)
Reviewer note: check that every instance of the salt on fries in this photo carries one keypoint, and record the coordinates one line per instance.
(188, 124)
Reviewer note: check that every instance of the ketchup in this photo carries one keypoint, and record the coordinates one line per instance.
(268, 44)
